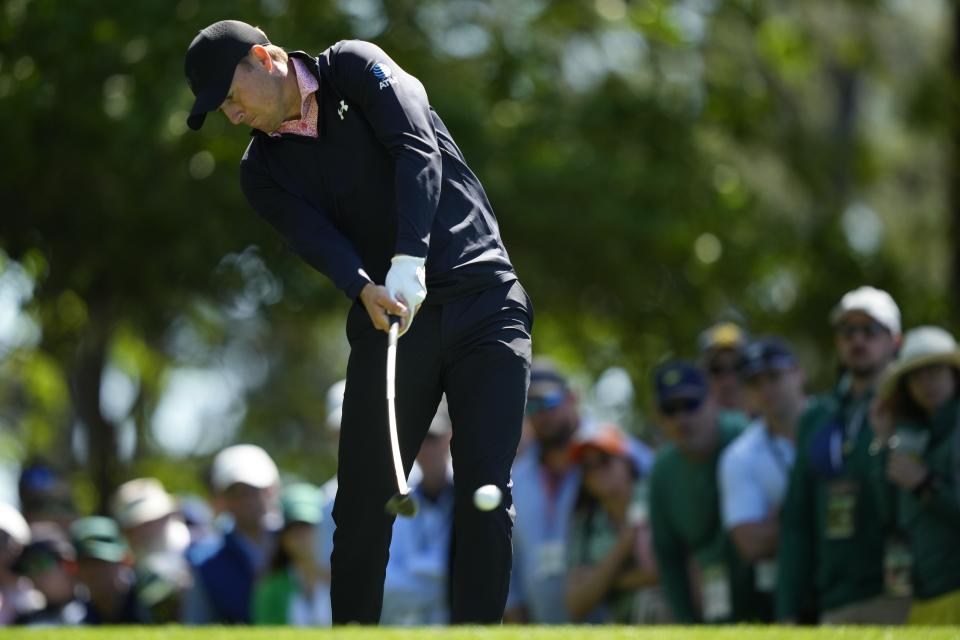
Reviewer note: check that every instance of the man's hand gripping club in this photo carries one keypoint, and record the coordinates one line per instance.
(402, 294)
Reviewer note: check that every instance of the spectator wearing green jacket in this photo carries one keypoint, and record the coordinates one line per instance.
(832, 538)
(291, 592)
(700, 570)
(916, 420)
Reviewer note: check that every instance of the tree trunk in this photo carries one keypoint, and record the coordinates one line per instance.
(85, 381)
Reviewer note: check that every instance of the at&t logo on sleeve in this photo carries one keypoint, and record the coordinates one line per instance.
(384, 74)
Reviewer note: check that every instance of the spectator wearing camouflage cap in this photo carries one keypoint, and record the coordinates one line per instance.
(721, 354)
(832, 541)
(685, 504)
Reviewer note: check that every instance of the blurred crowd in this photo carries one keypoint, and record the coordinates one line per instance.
(755, 501)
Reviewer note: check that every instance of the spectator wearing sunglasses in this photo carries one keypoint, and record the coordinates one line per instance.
(721, 355)
(700, 570)
(545, 487)
(755, 468)
(612, 573)
(832, 540)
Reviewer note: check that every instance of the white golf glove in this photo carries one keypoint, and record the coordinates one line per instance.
(407, 283)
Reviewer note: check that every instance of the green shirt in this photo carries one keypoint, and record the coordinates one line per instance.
(931, 520)
(592, 536)
(685, 516)
(831, 533)
(272, 596)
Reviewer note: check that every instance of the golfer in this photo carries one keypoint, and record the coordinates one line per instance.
(349, 162)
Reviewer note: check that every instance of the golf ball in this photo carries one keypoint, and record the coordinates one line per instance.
(487, 497)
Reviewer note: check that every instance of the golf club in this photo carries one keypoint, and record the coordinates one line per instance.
(402, 503)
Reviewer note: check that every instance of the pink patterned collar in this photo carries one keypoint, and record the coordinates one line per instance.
(307, 124)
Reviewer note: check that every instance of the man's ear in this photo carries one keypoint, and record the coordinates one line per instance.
(262, 57)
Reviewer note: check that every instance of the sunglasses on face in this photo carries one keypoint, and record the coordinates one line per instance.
(682, 405)
(721, 369)
(850, 330)
(36, 564)
(539, 404)
(598, 462)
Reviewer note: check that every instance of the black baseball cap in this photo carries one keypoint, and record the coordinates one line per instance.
(211, 60)
(769, 353)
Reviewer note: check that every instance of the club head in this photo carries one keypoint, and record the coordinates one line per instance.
(402, 504)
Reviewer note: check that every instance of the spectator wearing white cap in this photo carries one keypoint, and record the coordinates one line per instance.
(17, 597)
(917, 423)
(832, 539)
(245, 480)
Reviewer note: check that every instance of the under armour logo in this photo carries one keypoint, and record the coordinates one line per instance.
(344, 107)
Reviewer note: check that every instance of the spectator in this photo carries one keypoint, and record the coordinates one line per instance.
(916, 421)
(545, 487)
(416, 587)
(45, 495)
(688, 534)
(104, 568)
(164, 581)
(831, 539)
(755, 468)
(328, 490)
(149, 518)
(291, 593)
(245, 480)
(612, 575)
(721, 353)
(17, 597)
(49, 562)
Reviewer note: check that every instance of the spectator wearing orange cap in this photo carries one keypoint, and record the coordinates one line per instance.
(916, 420)
(612, 575)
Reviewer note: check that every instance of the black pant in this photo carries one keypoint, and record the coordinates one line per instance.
(476, 350)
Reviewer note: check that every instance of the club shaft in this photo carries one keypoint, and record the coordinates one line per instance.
(391, 407)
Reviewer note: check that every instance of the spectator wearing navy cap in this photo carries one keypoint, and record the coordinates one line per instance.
(755, 468)
(685, 503)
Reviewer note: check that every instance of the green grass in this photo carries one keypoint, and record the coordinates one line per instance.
(487, 633)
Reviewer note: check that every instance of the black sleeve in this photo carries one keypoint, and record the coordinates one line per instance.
(307, 230)
(396, 106)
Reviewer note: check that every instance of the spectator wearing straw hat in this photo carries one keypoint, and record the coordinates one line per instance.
(916, 420)
(292, 592)
(149, 518)
(832, 541)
